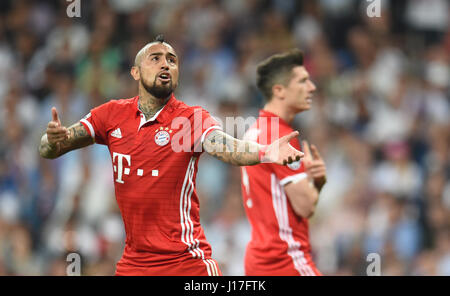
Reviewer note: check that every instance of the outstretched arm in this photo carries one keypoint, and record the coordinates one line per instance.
(59, 140)
(243, 153)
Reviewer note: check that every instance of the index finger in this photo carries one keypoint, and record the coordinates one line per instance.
(306, 148)
(315, 152)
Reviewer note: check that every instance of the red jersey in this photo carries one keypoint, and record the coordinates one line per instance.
(155, 165)
(279, 243)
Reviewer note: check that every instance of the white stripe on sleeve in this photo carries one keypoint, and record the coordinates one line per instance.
(279, 201)
(206, 132)
(91, 128)
(293, 178)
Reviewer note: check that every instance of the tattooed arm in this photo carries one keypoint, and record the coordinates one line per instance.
(59, 140)
(242, 153)
(231, 150)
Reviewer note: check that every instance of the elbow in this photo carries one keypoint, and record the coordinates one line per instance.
(45, 154)
(311, 213)
(304, 211)
(41, 153)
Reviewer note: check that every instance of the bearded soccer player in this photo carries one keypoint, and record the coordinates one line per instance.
(155, 142)
(278, 200)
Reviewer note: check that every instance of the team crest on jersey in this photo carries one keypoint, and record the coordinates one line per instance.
(294, 166)
(162, 136)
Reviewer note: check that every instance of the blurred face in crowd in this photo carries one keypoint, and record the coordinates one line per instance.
(297, 93)
(156, 69)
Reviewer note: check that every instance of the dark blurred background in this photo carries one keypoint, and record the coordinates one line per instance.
(380, 118)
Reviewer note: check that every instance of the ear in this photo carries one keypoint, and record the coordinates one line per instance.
(135, 73)
(278, 91)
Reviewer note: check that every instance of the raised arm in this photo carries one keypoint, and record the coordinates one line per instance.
(243, 153)
(59, 140)
(304, 194)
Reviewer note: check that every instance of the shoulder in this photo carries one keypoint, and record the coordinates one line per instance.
(121, 103)
(285, 129)
(187, 110)
(116, 105)
(113, 109)
(276, 125)
(269, 129)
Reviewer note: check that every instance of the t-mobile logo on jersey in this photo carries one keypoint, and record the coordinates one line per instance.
(119, 169)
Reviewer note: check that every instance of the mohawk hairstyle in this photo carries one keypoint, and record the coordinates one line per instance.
(159, 38)
(277, 69)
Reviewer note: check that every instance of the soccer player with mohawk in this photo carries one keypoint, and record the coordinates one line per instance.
(155, 142)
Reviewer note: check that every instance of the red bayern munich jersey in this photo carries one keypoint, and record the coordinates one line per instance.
(155, 167)
(279, 242)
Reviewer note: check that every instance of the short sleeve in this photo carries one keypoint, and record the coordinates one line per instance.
(95, 123)
(203, 123)
(293, 172)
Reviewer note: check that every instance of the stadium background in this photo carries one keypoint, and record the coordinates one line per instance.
(380, 118)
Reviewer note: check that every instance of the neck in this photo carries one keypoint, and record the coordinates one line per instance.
(150, 105)
(278, 109)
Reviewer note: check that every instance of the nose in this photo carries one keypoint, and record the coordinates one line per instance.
(312, 86)
(164, 64)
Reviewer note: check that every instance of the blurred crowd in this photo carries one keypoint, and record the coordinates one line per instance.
(380, 118)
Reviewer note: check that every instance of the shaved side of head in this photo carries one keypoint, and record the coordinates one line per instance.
(139, 56)
(141, 53)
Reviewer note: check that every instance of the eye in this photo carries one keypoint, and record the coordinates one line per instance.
(155, 58)
(172, 60)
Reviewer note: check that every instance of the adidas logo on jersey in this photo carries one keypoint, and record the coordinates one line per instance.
(116, 133)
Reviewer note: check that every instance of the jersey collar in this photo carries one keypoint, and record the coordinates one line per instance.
(160, 116)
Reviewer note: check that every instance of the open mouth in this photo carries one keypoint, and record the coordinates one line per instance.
(164, 77)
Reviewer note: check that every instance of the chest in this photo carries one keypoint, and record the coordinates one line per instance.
(147, 141)
(149, 151)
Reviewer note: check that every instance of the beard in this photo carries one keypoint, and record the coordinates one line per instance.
(159, 91)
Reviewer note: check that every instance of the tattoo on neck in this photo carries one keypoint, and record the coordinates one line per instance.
(149, 108)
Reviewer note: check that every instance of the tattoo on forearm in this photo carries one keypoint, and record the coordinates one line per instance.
(78, 138)
(47, 150)
(231, 150)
